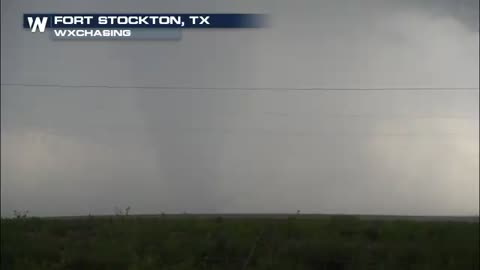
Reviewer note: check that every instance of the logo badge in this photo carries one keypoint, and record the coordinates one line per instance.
(39, 23)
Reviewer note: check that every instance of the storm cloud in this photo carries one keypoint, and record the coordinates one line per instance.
(73, 151)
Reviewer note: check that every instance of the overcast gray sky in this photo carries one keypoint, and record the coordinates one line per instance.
(74, 151)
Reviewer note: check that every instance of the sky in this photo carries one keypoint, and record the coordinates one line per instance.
(78, 151)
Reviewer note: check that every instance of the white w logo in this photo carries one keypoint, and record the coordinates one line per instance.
(39, 22)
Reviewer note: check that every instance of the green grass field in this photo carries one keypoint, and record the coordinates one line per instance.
(239, 243)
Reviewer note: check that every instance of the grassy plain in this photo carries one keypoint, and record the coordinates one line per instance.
(165, 242)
